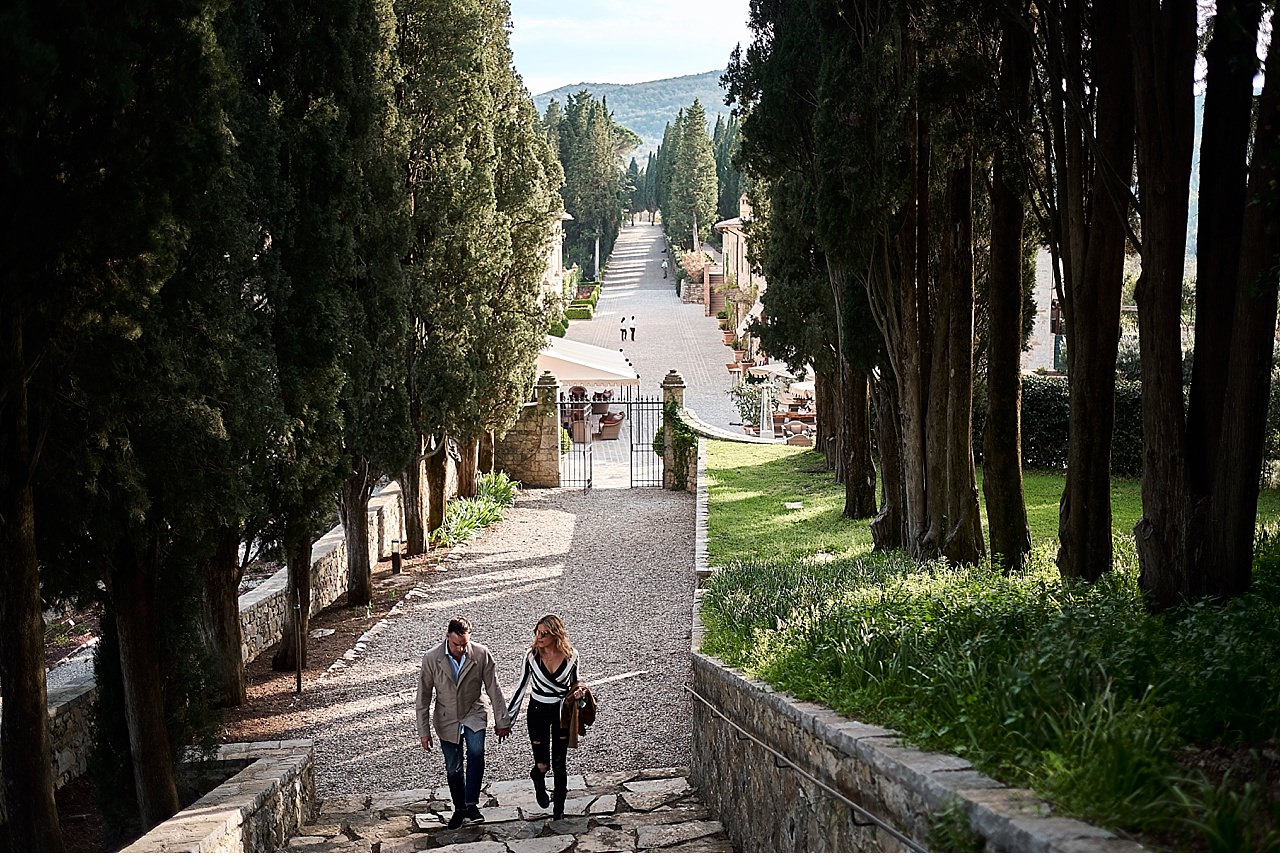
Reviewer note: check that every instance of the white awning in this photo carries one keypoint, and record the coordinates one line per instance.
(572, 362)
(771, 369)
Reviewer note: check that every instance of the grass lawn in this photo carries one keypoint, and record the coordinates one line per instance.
(750, 485)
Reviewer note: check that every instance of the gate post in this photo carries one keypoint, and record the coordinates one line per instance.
(547, 391)
(672, 393)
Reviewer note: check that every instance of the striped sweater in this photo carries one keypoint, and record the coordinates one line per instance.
(542, 685)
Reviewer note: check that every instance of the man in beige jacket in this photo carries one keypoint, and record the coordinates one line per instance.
(456, 674)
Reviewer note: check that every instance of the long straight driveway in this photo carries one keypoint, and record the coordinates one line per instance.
(669, 334)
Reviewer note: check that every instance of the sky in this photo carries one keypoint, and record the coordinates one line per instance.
(560, 42)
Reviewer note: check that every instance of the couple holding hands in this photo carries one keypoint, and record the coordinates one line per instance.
(456, 672)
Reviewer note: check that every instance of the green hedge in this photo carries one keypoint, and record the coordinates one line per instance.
(557, 329)
(578, 312)
(1046, 411)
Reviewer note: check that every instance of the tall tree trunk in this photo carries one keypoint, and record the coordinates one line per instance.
(484, 459)
(220, 619)
(1164, 44)
(132, 593)
(963, 542)
(293, 647)
(824, 413)
(859, 470)
(1002, 484)
(436, 475)
(888, 528)
(413, 493)
(31, 814)
(839, 416)
(1224, 167)
(1092, 299)
(468, 471)
(353, 509)
(1235, 490)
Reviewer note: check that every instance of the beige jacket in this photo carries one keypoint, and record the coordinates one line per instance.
(460, 702)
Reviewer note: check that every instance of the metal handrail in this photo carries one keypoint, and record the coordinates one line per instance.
(785, 762)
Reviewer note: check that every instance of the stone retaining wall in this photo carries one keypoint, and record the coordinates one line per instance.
(530, 451)
(257, 810)
(768, 807)
(262, 610)
(70, 731)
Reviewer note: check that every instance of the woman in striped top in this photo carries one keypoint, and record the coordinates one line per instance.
(549, 674)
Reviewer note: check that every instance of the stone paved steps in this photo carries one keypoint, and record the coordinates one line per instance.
(649, 810)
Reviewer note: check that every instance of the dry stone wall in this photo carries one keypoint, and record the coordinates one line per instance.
(766, 805)
(530, 451)
(257, 810)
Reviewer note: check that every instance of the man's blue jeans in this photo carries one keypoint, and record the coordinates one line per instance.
(464, 797)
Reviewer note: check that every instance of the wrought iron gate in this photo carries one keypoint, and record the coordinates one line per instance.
(575, 444)
(610, 435)
(644, 414)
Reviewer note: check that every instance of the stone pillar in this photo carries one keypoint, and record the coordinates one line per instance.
(530, 450)
(547, 393)
(672, 392)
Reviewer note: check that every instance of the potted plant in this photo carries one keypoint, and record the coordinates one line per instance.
(739, 352)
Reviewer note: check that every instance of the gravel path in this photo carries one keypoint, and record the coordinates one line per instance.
(616, 565)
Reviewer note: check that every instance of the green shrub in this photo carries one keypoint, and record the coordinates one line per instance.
(746, 395)
(465, 517)
(578, 312)
(1046, 411)
(557, 329)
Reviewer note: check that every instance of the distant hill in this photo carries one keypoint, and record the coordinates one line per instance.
(646, 108)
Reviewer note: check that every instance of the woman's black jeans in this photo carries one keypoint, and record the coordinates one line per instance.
(550, 742)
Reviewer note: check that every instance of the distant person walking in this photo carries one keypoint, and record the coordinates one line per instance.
(455, 674)
(623, 329)
(633, 329)
(664, 269)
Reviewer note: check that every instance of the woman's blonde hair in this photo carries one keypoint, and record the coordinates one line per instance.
(559, 637)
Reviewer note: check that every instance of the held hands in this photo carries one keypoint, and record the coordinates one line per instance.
(579, 692)
(503, 732)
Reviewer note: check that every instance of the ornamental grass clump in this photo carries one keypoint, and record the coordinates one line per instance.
(465, 517)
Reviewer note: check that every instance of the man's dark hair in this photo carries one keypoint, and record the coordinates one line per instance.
(459, 626)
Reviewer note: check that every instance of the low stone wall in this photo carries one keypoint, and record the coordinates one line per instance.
(262, 610)
(257, 810)
(70, 731)
(530, 451)
(767, 806)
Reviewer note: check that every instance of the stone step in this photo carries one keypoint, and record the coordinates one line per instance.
(637, 811)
